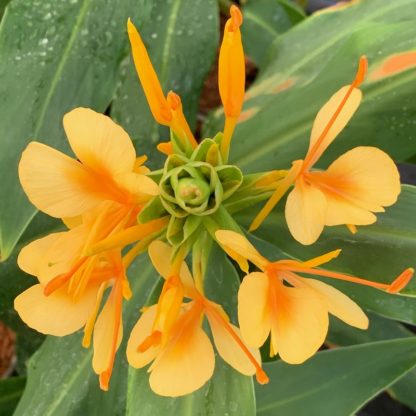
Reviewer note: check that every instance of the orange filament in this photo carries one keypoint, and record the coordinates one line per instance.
(359, 77)
(401, 281)
(152, 340)
(261, 375)
(60, 280)
(106, 375)
(347, 278)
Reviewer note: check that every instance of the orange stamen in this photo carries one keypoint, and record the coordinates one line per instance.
(106, 375)
(152, 340)
(359, 77)
(261, 375)
(401, 281)
(278, 194)
(60, 280)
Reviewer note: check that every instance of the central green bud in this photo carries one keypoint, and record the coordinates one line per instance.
(192, 191)
(199, 184)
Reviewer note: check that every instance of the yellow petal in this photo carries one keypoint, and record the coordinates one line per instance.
(31, 257)
(107, 323)
(99, 143)
(140, 186)
(148, 78)
(324, 117)
(300, 323)
(184, 365)
(238, 247)
(253, 310)
(230, 351)
(55, 183)
(161, 254)
(140, 332)
(56, 314)
(305, 212)
(339, 304)
(365, 179)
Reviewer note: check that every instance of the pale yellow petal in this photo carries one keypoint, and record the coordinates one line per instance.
(230, 351)
(56, 314)
(161, 254)
(339, 304)
(365, 179)
(55, 183)
(184, 366)
(138, 185)
(108, 321)
(305, 212)
(237, 245)
(300, 323)
(324, 116)
(253, 311)
(98, 142)
(31, 257)
(140, 332)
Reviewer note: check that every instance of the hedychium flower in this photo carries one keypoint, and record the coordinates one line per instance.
(293, 309)
(354, 187)
(115, 209)
(170, 335)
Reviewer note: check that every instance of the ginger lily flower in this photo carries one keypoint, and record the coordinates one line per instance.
(72, 283)
(354, 187)
(107, 170)
(292, 308)
(170, 334)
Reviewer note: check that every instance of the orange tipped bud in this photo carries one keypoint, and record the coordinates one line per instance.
(148, 77)
(232, 66)
(179, 124)
(401, 281)
(166, 148)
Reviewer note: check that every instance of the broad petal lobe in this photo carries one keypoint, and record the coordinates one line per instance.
(55, 314)
(140, 332)
(305, 212)
(98, 142)
(339, 304)
(253, 310)
(184, 366)
(53, 182)
(300, 323)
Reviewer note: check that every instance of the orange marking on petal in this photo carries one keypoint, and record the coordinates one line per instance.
(152, 340)
(401, 281)
(394, 65)
(60, 280)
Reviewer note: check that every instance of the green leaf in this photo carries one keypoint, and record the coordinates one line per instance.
(310, 63)
(181, 38)
(336, 382)
(264, 21)
(380, 329)
(10, 391)
(54, 57)
(228, 392)
(60, 378)
(377, 252)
